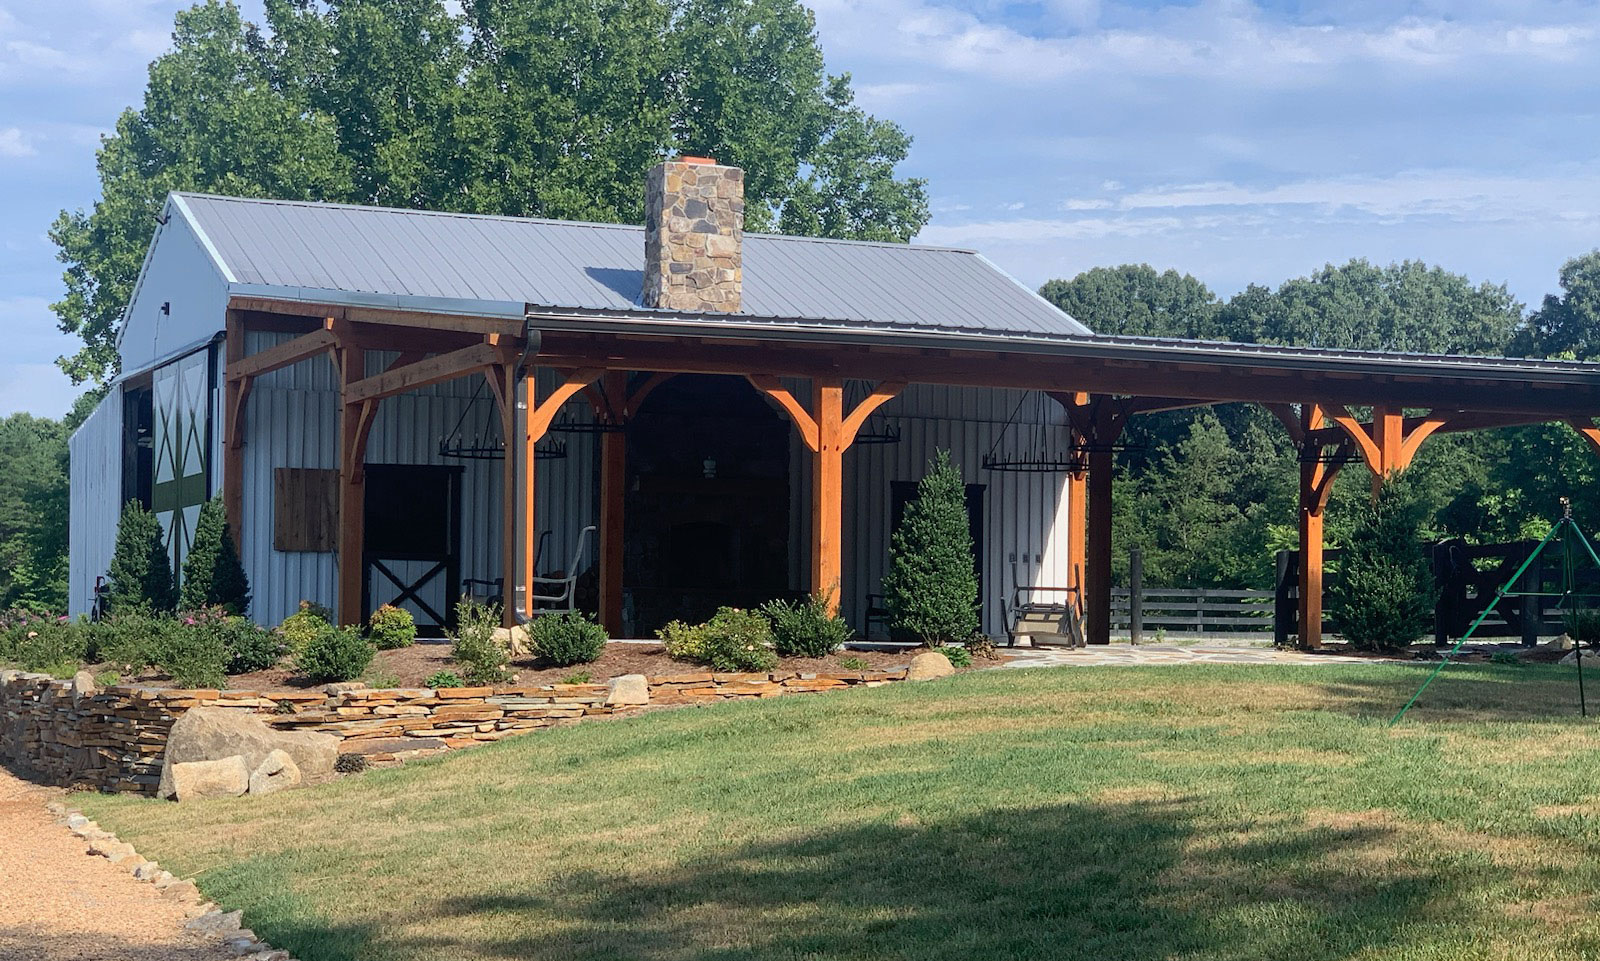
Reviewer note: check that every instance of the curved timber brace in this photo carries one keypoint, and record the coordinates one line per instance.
(538, 415)
(828, 432)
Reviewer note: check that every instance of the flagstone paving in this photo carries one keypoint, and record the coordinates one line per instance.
(1127, 655)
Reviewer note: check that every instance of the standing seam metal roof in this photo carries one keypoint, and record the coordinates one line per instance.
(568, 264)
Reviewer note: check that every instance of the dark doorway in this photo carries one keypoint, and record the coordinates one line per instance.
(413, 543)
(902, 493)
(707, 511)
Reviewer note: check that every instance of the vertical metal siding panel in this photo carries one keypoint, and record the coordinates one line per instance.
(94, 499)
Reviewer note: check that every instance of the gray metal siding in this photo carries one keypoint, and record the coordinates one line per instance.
(293, 421)
(306, 247)
(95, 502)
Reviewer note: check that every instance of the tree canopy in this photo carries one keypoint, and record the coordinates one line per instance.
(548, 108)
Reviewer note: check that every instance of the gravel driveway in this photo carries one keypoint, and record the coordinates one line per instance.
(57, 903)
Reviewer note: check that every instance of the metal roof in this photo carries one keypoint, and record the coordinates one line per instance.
(417, 257)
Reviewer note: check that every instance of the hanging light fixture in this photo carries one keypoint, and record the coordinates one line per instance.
(487, 443)
(1036, 447)
(876, 429)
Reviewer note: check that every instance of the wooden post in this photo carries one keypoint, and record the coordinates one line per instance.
(613, 483)
(1097, 573)
(355, 422)
(1135, 596)
(235, 393)
(538, 415)
(827, 491)
(1077, 532)
(1310, 608)
(506, 374)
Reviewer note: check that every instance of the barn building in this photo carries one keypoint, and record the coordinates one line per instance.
(402, 406)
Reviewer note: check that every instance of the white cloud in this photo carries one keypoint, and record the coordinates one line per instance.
(15, 143)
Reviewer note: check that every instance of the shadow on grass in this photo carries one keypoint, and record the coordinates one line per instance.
(1134, 881)
(1528, 693)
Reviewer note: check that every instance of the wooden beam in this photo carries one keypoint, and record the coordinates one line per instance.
(1587, 431)
(827, 492)
(423, 373)
(1317, 473)
(285, 354)
(506, 327)
(613, 496)
(880, 395)
(637, 396)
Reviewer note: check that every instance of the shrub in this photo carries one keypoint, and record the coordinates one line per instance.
(335, 654)
(567, 638)
(578, 677)
(250, 648)
(141, 572)
(381, 679)
(686, 642)
(738, 640)
(1583, 626)
(853, 663)
(1384, 597)
(958, 655)
(805, 628)
(304, 626)
(212, 574)
(350, 763)
(391, 627)
(1504, 657)
(15, 625)
(444, 679)
(930, 588)
(192, 649)
(51, 644)
(107, 679)
(129, 642)
(482, 657)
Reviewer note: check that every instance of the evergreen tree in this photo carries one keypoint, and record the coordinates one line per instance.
(1385, 593)
(141, 573)
(931, 589)
(212, 574)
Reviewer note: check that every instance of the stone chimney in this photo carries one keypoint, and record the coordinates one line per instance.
(693, 236)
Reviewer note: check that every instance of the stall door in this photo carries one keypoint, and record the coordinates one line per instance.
(413, 542)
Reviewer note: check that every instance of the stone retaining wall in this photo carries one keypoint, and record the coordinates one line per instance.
(112, 739)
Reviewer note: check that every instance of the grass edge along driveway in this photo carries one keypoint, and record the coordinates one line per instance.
(1192, 812)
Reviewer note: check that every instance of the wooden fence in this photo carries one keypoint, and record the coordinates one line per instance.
(1194, 610)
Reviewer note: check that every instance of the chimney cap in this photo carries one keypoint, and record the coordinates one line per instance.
(689, 159)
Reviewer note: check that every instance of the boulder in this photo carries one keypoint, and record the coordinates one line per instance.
(513, 639)
(197, 779)
(212, 734)
(343, 687)
(628, 689)
(82, 686)
(1590, 658)
(1562, 643)
(278, 772)
(929, 665)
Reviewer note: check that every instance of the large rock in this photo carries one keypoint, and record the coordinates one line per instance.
(513, 639)
(211, 734)
(227, 777)
(1589, 658)
(929, 665)
(277, 773)
(628, 689)
(82, 686)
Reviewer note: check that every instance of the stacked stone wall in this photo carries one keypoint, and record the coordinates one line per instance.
(112, 739)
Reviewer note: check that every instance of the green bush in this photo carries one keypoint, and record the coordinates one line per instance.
(931, 587)
(51, 644)
(739, 640)
(958, 655)
(578, 677)
(141, 572)
(391, 627)
(444, 679)
(15, 624)
(685, 642)
(192, 648)
(567, 638)
(805, 628)
(853, 663)
(250, 648)
(304, 626)
(335, 654)
(212, 574)
(1583, 626)
(1385, 594)
(483, 659)
(128, 642)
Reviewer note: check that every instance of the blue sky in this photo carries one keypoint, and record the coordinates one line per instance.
(1239, 141)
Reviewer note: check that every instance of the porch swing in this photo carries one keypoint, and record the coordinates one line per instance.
(1038, 612)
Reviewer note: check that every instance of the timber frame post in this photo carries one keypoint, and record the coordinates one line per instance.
(1321, 456)
(355, 424)
(828, 431)
(538, 415)
(615, 403)
(1097, 423)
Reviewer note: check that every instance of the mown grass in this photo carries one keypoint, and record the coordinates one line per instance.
(1193, 812)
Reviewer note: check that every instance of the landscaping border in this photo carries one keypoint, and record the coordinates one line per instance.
(71, 734)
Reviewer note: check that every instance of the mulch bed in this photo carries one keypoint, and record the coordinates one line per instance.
(414, 664)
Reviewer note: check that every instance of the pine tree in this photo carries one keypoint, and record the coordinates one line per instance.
(931, 589)
(1385, 594)
(212, 574)
(141, 573)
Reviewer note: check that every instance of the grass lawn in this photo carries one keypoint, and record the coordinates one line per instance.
(1190, 812)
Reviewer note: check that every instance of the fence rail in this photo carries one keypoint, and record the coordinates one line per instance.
(1206, 610)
